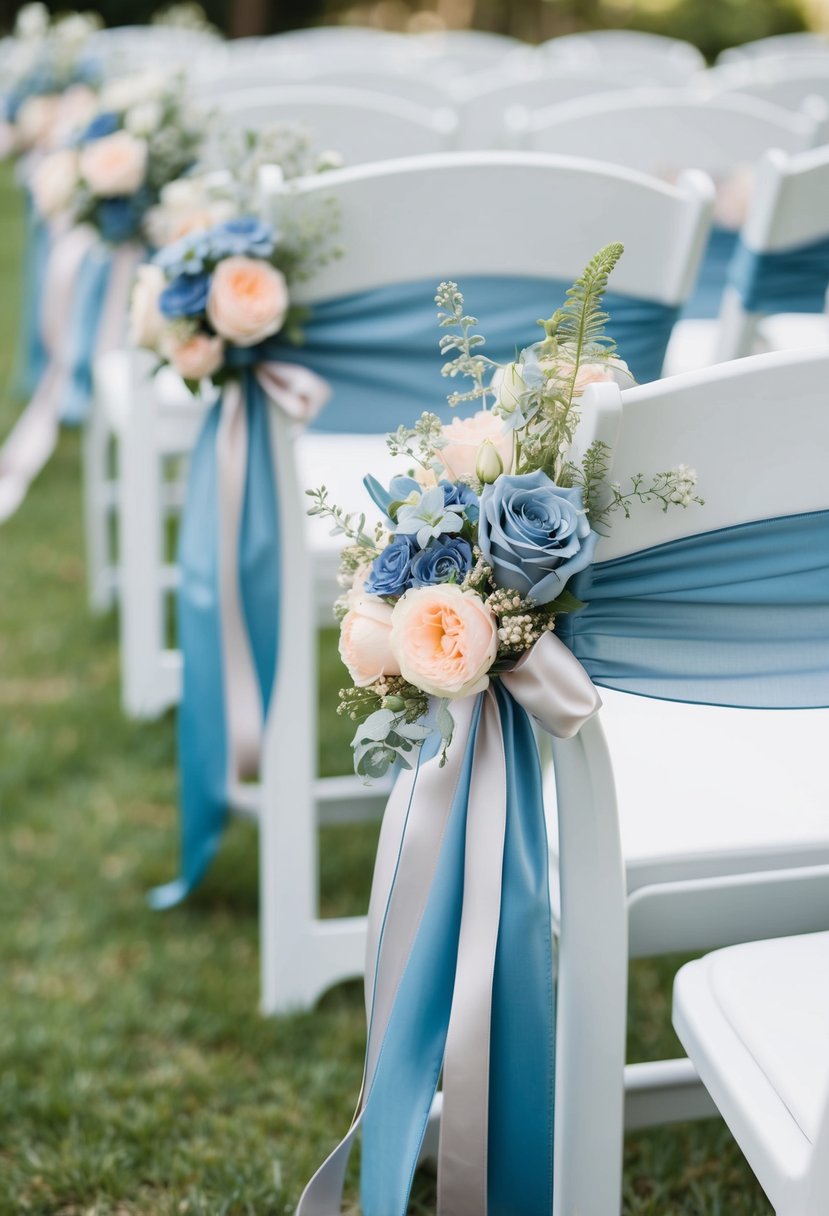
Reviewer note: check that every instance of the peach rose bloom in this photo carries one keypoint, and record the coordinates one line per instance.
(444, 639)
(464, 437)
(35, 120)
(248, 300)
(602, 370)
(54, 180)
(365, 640)
(114, 165)
(76, 108)
(197, 357)
(147, 322)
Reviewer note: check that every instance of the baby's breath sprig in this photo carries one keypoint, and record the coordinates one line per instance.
(389, 692)
(420, 442)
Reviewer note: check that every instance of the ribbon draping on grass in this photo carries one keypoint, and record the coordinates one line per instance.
(83, 315)
(228, 602)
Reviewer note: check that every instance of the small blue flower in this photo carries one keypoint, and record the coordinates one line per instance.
(185, 256)
(120, 218)
(427, 517)
(400, 488)
(245, 235)
(186, 296)
(103, 124)
(444, 561)
(391, 569)
(461, 497)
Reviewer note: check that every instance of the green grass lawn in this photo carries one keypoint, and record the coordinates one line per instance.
(135, 1073)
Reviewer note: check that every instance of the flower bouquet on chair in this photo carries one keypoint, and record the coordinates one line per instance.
(449, 629)
(216, 307)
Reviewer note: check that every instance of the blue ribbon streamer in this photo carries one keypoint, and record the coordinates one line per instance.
(788, 280)
(31, 354)
(88, 299)
(706, 298)
(202, 734)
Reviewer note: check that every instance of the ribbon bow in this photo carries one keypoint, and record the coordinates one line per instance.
(459, 972)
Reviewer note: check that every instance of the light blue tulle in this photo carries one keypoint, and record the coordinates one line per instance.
(379, 349)
(789, 280)
(202, 733)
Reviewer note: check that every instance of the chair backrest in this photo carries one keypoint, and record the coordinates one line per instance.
(660, 130)
(788, 211)
(360, 125)
(657, 59)
(798, 45)
(468, 50)
(485, 100)
(473, 213)
(788, 83)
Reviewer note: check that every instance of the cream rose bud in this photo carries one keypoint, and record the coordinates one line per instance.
(54, 181)
(489, 465)
(147, 323)
(248, 300)
(444, 640)
(365, 640)
(196, 357)
(509, 385)
(114, 165)
(464, 437)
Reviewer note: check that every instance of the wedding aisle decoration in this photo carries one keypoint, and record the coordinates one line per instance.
(449, 628)
(96, 192)
(216, 306)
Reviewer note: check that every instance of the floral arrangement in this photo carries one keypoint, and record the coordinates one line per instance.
(471, 563)
(53, 80)
(211, 303)
(113, 169)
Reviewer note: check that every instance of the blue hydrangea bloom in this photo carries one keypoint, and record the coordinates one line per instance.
(186, 256)
(244, 236)
(120, 218)
(103, 124)
(391, 569)
(186, 296)
(443, 561)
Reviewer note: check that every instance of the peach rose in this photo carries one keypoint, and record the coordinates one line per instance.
(248, 300)
(54, 181)
(444, 639)
(615, 370)
(365, 640)
(464, 438)
(75, 110)
(35, 120)
(114, 165)
(196, 357)
(147, 323)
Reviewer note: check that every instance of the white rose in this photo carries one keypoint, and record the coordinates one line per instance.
(147, 323)
(54, 182)
(35, 120)
(145, 118)
(120, 95)
(32, 21)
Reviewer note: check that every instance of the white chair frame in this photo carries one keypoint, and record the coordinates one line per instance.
(788, 208)
(655, 58)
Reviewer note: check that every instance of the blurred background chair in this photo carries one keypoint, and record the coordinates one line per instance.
(753, 1020)
(654, 58)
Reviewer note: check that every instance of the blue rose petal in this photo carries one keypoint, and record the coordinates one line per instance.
(186, 296)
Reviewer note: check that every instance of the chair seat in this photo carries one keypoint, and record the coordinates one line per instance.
(693, 342)
(758, 798)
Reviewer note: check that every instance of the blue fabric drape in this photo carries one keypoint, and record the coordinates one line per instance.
(202, 736)
(379, 349)
(789, 280)
(706, 298)
(88, 299)
(31, 354)
(737, 616)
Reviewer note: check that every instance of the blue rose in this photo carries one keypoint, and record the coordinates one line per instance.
(245, 235)
(391, 570)
(185, 256)
(186, 296)
(444, 561)
(120, 218)
(461, 496)
(534, 534)
(101, 125)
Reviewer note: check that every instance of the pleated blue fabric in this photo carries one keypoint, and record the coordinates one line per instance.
(788, 280)
(88, 300)
(706, 298)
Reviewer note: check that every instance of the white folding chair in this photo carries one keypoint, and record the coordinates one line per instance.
(467, 51)
(783, 82)
(753, 1020)
(788, 210)
(360, 124)
(722, 812)
(653, 57)
(444, 217)
(778, 46)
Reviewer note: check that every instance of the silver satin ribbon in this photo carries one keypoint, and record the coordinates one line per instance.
(555, 690)
(300, 394)
(34, 436)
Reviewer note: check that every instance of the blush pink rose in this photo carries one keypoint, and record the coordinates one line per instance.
(36, 120)
(248, 300)
(114, 165)
(444, 639)
(365, 640)
(597, 372)
(54, 181)
(464, 438)
(196, 357)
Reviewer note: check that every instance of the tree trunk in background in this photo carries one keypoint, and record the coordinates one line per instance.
(248, 18)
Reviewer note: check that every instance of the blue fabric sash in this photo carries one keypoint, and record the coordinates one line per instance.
(31, 354)
(738, 616)
(202, 728)
(788, 280)
(706, 298)
(379, 349)
(88, 300)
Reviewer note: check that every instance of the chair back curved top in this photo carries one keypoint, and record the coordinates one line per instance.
(468, 50)
(798, 45)
(359, 124)
(658, 130)
(789, 83)
(656, 58)
(756, 457)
